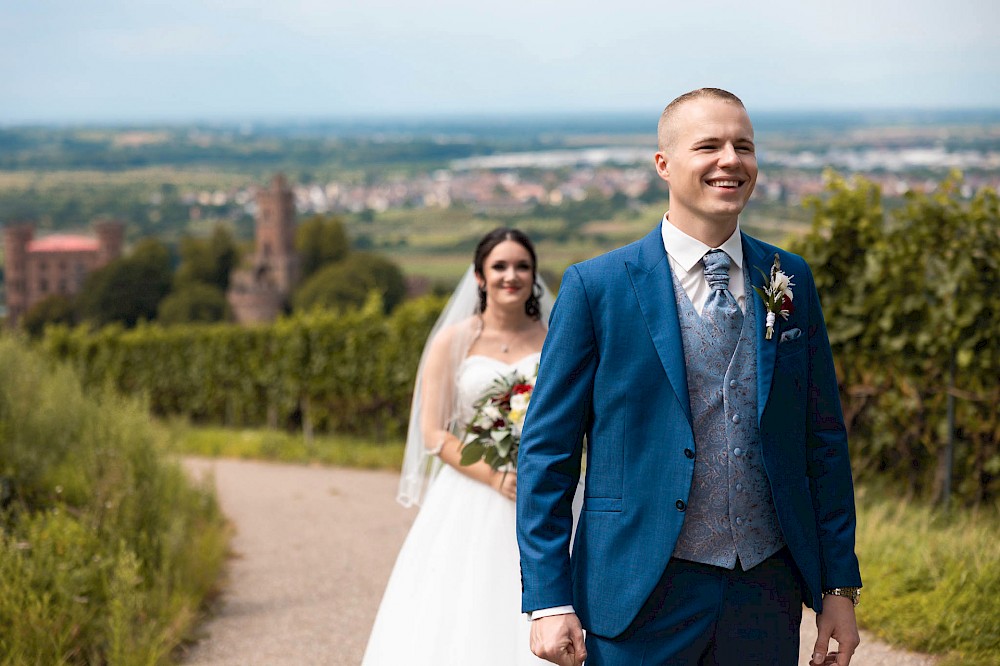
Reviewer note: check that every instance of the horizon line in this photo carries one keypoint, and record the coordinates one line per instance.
(434, 118)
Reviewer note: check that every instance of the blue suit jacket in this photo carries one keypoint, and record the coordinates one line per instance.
(612, 370)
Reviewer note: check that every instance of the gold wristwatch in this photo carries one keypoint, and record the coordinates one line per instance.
(852, 593)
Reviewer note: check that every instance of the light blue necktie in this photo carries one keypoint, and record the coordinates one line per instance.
(721, 310)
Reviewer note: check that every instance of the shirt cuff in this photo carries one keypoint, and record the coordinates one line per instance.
(548, 612)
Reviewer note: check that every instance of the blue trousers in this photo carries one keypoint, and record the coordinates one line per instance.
(701, 615)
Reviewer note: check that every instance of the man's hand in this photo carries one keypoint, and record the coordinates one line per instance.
(837, 621)
(559, 639)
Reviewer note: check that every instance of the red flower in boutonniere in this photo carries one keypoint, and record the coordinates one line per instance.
(777, 295)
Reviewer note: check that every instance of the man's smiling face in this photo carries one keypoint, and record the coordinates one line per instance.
(709, 162)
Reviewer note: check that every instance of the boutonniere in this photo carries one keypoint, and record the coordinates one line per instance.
(777, 295)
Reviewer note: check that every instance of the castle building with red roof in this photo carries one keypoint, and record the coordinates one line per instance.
(36, 268)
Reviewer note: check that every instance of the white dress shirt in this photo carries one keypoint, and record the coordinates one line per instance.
(684, 254)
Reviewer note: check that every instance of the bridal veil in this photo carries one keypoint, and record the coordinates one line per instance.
(458, 327)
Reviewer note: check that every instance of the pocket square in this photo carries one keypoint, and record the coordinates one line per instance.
(790, 334)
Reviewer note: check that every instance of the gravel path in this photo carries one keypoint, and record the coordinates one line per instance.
(312, 552)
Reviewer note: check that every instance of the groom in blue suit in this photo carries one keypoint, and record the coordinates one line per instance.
(718, 491)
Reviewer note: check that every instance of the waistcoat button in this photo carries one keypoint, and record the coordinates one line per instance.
(680, 505)
(689, 453)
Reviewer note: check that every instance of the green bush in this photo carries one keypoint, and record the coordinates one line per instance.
(193, 302)
(913, 313)
(106, 550)
(347, 372)
(53, 309)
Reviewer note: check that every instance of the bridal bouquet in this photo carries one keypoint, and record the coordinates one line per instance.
(494, 432)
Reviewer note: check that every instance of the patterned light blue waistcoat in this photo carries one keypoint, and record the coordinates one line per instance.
(730, 510)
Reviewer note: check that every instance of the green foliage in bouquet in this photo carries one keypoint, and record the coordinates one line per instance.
(107, 552)
(494, 432)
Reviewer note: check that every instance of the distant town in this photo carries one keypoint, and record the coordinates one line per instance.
(420, 191)
(514, 183)
(101, 207)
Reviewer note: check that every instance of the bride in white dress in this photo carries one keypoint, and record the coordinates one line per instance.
(454, 595)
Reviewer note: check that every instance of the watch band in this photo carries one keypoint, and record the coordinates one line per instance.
(852, 593)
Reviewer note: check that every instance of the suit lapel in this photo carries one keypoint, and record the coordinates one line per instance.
(654, 289)
(760, 260)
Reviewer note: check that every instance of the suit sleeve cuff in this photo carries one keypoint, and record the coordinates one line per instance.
(547, 612)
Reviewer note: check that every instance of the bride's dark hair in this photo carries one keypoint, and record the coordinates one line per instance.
(486, 245)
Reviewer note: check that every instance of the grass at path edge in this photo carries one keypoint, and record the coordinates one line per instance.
(932, 579)
(280, 446)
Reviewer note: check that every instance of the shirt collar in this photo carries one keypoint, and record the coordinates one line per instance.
(688, 251)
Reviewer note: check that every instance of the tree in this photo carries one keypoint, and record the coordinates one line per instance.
(194, 302)
(208, 260)
(54, 309)
(128, 289)
(346, 284)
(320, 241)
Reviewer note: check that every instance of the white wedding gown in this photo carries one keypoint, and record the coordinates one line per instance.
(454, 596)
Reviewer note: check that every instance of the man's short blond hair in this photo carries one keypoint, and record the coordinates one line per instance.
(664, 129)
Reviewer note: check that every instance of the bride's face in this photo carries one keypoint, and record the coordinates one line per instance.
(508, 274)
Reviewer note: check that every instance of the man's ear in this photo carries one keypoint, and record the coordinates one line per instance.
(662, 165)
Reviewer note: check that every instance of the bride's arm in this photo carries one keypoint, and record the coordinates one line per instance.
(437, 401)
(504, 483)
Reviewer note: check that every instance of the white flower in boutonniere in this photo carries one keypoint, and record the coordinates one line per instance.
(777, 295)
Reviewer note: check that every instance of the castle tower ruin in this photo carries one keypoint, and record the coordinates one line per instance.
(110, 240)
(259, 291)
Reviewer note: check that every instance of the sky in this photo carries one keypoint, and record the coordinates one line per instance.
(233, 60)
